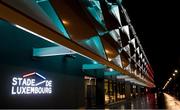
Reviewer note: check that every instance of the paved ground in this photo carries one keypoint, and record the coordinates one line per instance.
(171, 102)
(150, 101)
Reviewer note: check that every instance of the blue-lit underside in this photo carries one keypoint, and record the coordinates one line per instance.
(46, 6)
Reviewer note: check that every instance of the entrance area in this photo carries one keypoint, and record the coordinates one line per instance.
(90, 91)
(114, 91)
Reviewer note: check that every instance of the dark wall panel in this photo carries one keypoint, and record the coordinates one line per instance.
(16, 59)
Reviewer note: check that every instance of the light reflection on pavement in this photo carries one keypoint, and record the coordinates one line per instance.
(148, 101)
(171, 102)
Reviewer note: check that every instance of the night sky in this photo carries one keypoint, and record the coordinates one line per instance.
(156, 23)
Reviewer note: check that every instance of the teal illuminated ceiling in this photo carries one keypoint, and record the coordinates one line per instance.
(110, 73)
(11, 35)
(93, 66)
(46, 6)
(93, 7)
(114, 1)
(94, 44)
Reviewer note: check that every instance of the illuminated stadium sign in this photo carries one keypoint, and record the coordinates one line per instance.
(31, 83)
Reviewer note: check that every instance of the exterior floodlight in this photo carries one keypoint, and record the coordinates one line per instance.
(175, 71)
(174, 74)
(110, 69)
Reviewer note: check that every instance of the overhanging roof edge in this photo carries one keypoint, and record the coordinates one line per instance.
(31, 24)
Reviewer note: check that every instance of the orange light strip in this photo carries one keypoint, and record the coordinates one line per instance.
(30, 74)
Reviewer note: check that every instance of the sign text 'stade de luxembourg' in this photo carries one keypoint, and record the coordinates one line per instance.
(27, 85)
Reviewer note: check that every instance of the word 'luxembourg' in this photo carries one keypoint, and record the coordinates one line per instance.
(30, 86)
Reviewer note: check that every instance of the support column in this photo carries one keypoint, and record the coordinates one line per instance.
(100, 93)
(127, 90)
(138, 90)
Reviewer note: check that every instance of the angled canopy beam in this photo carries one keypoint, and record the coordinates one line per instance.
(122, 76)
(110, 73)
(52, 51)
(93, 66)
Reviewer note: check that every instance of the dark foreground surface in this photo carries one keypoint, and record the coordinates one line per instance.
(150, 101)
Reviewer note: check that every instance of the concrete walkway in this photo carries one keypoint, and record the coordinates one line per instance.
(171, 102)
(149, 101)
